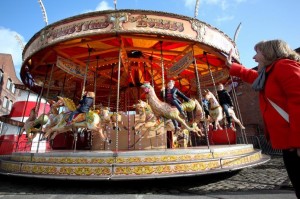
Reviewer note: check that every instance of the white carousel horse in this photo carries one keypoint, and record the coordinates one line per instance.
(90, 121)
(216, 111)
(33, 125)
(53, 117)
(163, 109)
(105, 116)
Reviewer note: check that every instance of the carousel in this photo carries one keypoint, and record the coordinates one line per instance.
(126, 59)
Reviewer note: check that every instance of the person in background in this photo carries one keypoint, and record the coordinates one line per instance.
(28, 77)
(84, 105)
(278, 83)
(226, 102)
(205, 105)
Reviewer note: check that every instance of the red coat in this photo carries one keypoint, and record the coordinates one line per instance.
(282, 86)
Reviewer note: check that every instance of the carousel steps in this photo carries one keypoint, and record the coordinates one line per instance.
(109, 165)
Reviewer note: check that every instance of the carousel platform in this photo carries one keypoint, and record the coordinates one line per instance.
(132, 165)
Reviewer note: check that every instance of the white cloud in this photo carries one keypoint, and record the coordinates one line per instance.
(223, 4)
(190, 3)
(103, 5)
(224, 18)
(11, 43)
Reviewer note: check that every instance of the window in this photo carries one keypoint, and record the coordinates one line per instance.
(1, 76)
(13, 88)
(5, 100)
(10, 86)
(10, 105)
(9, 82)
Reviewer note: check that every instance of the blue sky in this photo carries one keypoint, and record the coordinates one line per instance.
(261, 19)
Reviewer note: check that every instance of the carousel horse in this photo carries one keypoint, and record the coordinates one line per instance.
(146, 122)
(110, 118)
(53, 116)
(105, 116)
(145, 118)
(163, 109)
(90, 121)
(182, 140)
(33, 125)
(216, 111)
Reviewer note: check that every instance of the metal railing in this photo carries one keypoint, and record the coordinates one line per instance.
(260, 142)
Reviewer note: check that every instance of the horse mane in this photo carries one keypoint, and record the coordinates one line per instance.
(69, 103)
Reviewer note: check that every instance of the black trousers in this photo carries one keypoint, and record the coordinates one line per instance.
(292, 164)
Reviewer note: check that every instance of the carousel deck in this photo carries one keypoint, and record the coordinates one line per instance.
(132, 165)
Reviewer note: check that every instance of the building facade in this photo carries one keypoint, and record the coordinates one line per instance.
(8, 80)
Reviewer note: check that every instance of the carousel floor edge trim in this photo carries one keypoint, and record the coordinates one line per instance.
(132, 165)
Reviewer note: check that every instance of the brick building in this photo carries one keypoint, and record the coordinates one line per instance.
(8, 79)
(248, 105)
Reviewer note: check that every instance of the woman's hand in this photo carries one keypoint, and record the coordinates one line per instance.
(229, 58)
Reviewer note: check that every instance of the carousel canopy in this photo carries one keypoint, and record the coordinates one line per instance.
(114, 52)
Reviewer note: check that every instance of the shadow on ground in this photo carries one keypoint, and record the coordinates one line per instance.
(47, 186)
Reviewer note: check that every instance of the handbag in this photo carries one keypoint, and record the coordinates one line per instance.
(281, 112)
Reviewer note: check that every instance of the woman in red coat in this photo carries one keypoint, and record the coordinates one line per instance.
(278, 83)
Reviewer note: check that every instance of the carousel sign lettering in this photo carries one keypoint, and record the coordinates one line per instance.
(143, 21)
(182, 64)
(78, 27)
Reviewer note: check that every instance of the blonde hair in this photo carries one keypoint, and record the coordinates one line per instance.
(276, 49)
(90, 94)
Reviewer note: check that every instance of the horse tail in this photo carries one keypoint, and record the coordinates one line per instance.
(198, 112)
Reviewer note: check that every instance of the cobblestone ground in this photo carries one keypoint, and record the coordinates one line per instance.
(269, 176)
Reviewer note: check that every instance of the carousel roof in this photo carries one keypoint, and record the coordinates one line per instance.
(122, 49)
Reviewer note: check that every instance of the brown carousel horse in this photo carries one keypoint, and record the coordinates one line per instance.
(145, 118)
(216, 111)
(109, 118)
(163, 109)
(90, 121)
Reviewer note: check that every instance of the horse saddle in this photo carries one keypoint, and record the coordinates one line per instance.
(81, 117)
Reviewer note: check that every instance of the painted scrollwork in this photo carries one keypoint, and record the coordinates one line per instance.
(200, 28)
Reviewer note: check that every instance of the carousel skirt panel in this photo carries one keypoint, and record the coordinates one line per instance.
(132, 165)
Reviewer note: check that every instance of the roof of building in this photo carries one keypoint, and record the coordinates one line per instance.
(7, 65)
